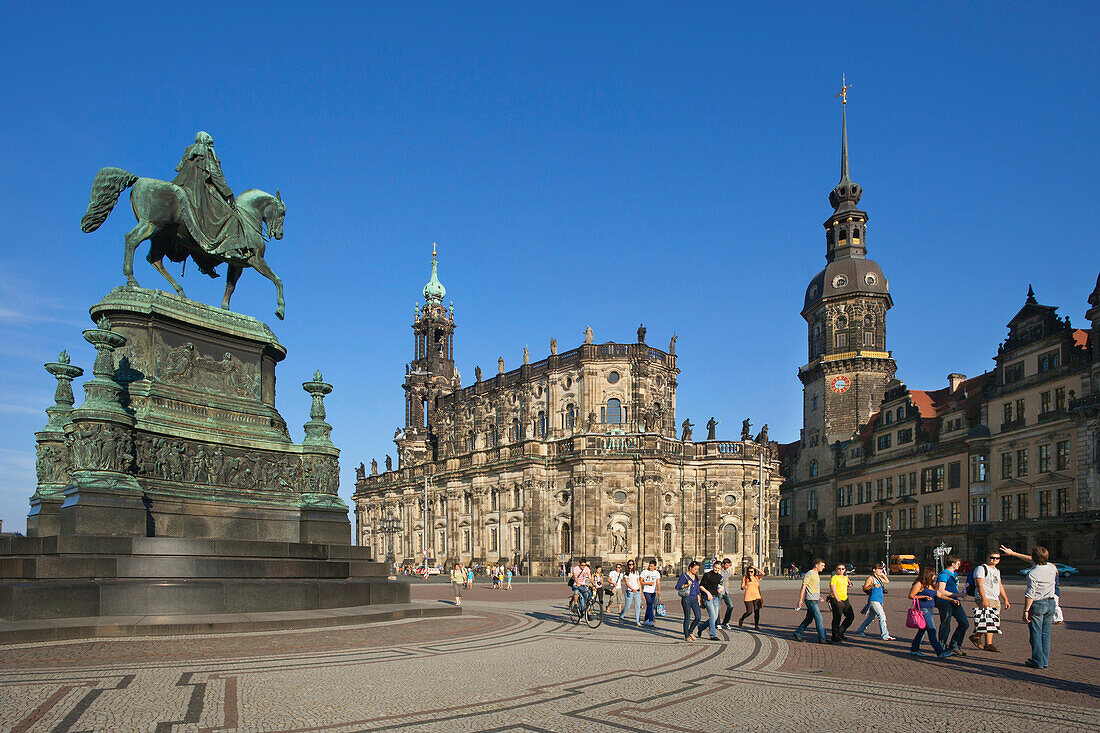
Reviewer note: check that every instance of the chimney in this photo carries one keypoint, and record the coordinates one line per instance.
(955, 380)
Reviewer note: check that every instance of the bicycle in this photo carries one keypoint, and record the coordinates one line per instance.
(593, 610)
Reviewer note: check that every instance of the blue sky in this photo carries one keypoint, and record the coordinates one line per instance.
(637, 162)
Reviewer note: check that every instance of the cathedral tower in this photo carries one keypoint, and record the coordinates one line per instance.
(431, 374)
(845, 311)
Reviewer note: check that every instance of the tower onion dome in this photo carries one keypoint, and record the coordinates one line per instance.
(434, 292)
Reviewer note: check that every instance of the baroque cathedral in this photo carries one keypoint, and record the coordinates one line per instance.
(573, 455)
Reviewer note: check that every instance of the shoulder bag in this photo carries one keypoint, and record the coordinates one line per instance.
(914, 619)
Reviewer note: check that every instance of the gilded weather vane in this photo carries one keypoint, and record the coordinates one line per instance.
(844, 87)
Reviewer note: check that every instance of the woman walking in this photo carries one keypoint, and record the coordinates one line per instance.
(924, 593)
(750, 583)
(458, 580)
(633, 593)
(875, 588)
(688, 588)
(1039, 603)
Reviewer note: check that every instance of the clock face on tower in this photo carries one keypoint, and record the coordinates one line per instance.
(840, 384)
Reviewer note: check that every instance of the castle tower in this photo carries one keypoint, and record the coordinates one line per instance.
(431, 373)
(845, 311)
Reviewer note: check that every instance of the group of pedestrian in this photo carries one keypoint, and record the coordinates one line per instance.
(501, 575)
(938, 595)
(713, 588)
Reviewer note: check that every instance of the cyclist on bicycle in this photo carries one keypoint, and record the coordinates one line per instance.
(582, 585)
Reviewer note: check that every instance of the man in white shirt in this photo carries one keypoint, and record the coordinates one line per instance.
(651, 590)
(615, 578)
(989, 595)
(724, 593)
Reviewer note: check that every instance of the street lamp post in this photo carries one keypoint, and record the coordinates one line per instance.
(390, 525)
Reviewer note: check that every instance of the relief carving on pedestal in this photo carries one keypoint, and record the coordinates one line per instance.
(100, 447)
(184, 365)
(53, 464)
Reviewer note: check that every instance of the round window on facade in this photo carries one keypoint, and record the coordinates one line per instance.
(840, 281)
(613, 377)
(619, 496)
(870, 278)
(568, 382)
(730, 499)
(842, 321)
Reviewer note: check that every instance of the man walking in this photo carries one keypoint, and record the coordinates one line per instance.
(724, 594)
(651, 589)
(843, 615)
(948, 580)
(810, 594)
(989, 595)
(615, 578)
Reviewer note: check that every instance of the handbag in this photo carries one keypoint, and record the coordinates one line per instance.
(915, 618)
(660, 610)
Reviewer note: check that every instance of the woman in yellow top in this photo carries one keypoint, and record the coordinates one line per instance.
(843, 615)
(750, 583)
(458, 580)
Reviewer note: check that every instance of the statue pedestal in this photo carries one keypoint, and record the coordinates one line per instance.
(175, 488)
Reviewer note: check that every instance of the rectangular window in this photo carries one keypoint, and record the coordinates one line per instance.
(929, 515)
(492, 539)
(1059, 398)
(1045, 402)
(931, 480)
(1049, 361)
(912, 482)
(889, 416)
(1021, 506)
(905, 436)
(1021, 462)
(1044, 503)
(844, 526)
(977, 469)
(862, 524)
(868, 338)
(1044, 458)
(517, 538)
(954, 475)
(1062, 455)
(880, 489)
(883, 442)
(785, 507)
(902, 491)
(466, 544)
(1007, 412)
(842, 340)
(1006, 508)
(956, 514)
(1062, 497)
(1014, 372)
(939, 515)
(901, 412)
(979, 509)
(1006, 465)
(1019, 410)
(902, 519)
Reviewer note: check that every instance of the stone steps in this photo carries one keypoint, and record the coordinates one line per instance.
(53, 567)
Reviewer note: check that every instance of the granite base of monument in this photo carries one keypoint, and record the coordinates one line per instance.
(175, 487)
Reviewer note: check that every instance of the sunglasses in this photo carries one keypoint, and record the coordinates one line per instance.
(995, 557)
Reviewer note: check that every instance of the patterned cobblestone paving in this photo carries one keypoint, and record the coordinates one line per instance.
(511, 663)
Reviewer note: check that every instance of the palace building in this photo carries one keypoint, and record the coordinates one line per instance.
(1009, 456)
(572, 455)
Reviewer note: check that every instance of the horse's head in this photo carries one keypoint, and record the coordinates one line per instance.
(273, 214)
(263, 208)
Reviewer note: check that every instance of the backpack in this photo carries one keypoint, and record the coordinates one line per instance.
(570, 581)
(971, 588)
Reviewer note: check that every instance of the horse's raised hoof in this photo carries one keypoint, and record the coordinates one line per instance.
(280, 312)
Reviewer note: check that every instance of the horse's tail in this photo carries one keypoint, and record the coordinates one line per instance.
(108, 184)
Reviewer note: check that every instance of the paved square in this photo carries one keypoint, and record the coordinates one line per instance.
(512, 662)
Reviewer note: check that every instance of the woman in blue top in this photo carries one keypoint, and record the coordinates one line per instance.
(690, 603)
(924, 591)
(874, 586)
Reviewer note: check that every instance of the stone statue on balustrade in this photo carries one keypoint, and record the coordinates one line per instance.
(746, 429)
(762, 436)
(711, 425)
(687, 426)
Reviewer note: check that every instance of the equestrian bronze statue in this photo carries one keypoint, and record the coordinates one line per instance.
(196, 216)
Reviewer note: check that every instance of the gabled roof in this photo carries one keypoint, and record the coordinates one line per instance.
(1031, 308)
(789, 450)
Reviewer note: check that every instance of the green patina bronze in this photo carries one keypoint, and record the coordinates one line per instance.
(196, 216)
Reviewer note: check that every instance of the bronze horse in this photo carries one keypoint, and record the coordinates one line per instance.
(164, 217)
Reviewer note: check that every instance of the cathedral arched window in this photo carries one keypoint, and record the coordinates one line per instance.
(855, 233)
(613, 412)
(570, 416)
(494, 496)
(516, 500)
(667, 539)
(492, 435)
(470, 441)
(565, 538)
(729, 538)
(516, 430)
(813, 468)
(541, 423)
(811, 505)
